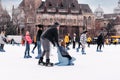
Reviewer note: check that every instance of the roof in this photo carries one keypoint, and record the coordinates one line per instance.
(64, 6)
(110, 16)
(85, 8)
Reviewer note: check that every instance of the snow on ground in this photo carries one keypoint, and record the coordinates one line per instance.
(92, 66)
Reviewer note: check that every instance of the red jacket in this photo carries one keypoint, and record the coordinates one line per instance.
(28, 39)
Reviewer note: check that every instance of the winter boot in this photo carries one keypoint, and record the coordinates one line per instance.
(25, 56)
(48, 63)
(40, 62)
(37, 57)
(29, 56)
(83, 51)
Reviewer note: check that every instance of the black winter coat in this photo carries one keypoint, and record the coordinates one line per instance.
(51, 34)
(39, 35)
(100, 39)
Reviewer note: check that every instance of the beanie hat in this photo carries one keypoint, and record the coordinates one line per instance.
(40, 26)
(56, 23)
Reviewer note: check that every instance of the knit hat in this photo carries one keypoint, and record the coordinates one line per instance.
(56, 23)
(84, 31)
(40, 26)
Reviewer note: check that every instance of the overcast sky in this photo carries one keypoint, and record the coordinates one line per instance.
(107, 5)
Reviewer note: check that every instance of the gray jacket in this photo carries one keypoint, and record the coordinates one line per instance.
(1, 39)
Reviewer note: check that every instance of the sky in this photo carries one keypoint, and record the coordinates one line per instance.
(107, 5)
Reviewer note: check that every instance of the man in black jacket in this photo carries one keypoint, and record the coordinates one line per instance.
(100, 42)
(39, 32)
(49, 35)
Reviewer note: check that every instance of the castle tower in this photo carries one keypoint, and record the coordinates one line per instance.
(117, 9)
(33, 3)
(99, 12)
(37, 3)
(1, 8)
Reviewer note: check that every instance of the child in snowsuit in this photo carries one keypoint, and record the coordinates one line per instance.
(63, 56)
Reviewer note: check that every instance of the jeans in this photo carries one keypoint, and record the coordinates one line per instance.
(27, 49)
(39, 48)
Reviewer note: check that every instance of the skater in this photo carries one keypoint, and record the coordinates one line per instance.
(35, 44)
(89, 40)
(74, 40)
(78, 41)
(49, 35)
(63, 56)
(39, 32)
(28, 41)
(3, 40)
(67, 41)
(83, 41)
(100, 42)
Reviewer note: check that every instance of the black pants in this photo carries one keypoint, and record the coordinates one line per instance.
(35, 45)
(73, 44)
(2, 46)
(99, 46)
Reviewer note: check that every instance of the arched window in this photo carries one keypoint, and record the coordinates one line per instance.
(73, 5)
(61, 5)
(89, 20)
(84, 21)
(50, 4)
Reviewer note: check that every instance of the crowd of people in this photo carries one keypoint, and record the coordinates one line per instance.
(44, 38)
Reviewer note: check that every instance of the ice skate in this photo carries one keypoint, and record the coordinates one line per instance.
(70, 62)
(29, 56)
(25, 57)
(64, 61)
(77, 50)
(83, 52)
(40, 62)
(32, 51)
(48, 63)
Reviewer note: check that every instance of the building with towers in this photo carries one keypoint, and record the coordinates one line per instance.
(99, 13)
(4, 17)
(117, 9)
(102, 20)
(72, 16)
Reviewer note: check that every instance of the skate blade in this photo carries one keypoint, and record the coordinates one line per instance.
(41, 64)
(49, 65)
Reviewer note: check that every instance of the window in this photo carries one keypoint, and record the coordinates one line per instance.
(73, 5)
(50, 4)
(61, 5)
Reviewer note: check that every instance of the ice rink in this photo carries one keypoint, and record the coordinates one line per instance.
(92, 66)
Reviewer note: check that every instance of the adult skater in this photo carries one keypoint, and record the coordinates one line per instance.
(3, 40)
(39, 32)
(83, 40)
(100, 42)
(35, 44)
(49, 35)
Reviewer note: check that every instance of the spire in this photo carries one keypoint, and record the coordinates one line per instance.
(1, 8)
(119, 3)
(13, 7)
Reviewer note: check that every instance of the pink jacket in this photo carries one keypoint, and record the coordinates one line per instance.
(28, 39)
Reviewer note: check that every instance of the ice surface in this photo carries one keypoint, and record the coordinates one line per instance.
(92, 66)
